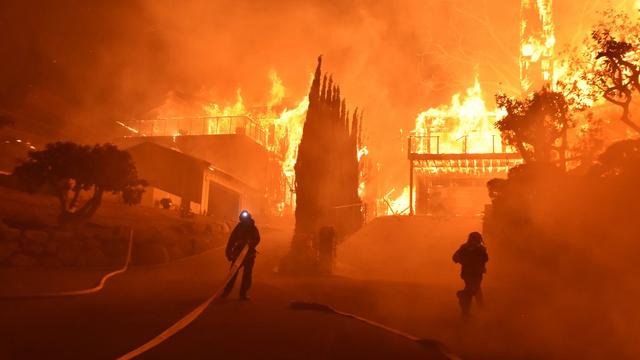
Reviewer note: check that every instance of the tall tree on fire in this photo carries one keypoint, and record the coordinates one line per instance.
(327, 163)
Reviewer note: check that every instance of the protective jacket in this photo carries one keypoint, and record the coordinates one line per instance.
(473, 258)
(245, 233)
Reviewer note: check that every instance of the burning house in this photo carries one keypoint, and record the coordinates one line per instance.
(453, 151)
(254, 149)
(232, 161)
(257, 147)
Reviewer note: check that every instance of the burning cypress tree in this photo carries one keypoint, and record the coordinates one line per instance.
(327, 163)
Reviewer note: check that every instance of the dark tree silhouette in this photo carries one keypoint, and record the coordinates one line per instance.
(327, 163)
(536, 125)
(621, 159)
(68, 169)
(617, 77)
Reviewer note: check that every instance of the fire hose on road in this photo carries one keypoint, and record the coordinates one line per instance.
(425, 343)
(91, 290)
(190, 317)
(297, 305)
(196, 312)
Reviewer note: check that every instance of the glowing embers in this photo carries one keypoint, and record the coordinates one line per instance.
(470, 167)
(396, 204)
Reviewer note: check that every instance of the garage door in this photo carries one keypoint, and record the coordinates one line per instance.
(224, 203)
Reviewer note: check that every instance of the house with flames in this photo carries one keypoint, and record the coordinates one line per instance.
(453, 183)
(453, 151)
(219, 164)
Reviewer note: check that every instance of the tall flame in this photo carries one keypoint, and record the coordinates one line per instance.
(237, 108)
(279, 130)
(289, 126)
(212, 109)
(464, 126)
(537, 43)
(277, 90)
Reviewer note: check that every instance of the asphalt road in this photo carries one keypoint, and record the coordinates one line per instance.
(136, 306)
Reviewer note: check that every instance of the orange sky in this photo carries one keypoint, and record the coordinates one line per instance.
(80, 65)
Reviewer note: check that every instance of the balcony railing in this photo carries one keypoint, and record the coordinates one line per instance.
(199, 125)
(431, 144)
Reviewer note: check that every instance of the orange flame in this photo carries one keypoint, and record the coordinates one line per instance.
(537, 43)
(398, 205)
(289, 126)
(464, 126)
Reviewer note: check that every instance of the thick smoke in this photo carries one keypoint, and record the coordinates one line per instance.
(70, 69)
(76, 67)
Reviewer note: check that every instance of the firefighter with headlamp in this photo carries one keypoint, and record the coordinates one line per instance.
(244, 234)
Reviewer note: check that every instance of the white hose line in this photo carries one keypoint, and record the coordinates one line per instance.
(190, 317)
(92, 290)
(426, 343)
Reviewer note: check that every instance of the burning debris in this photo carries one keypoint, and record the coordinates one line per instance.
(459, 139)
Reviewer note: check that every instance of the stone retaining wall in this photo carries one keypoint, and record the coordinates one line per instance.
(100, 246)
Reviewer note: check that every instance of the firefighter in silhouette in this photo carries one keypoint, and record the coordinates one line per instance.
(244, 234)
(472, 255)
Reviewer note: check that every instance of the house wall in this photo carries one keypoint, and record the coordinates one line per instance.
(249, 198)
(237, 155)
(169, 170)
(174, 173)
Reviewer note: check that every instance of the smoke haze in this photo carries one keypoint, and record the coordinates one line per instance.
(72, 68)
